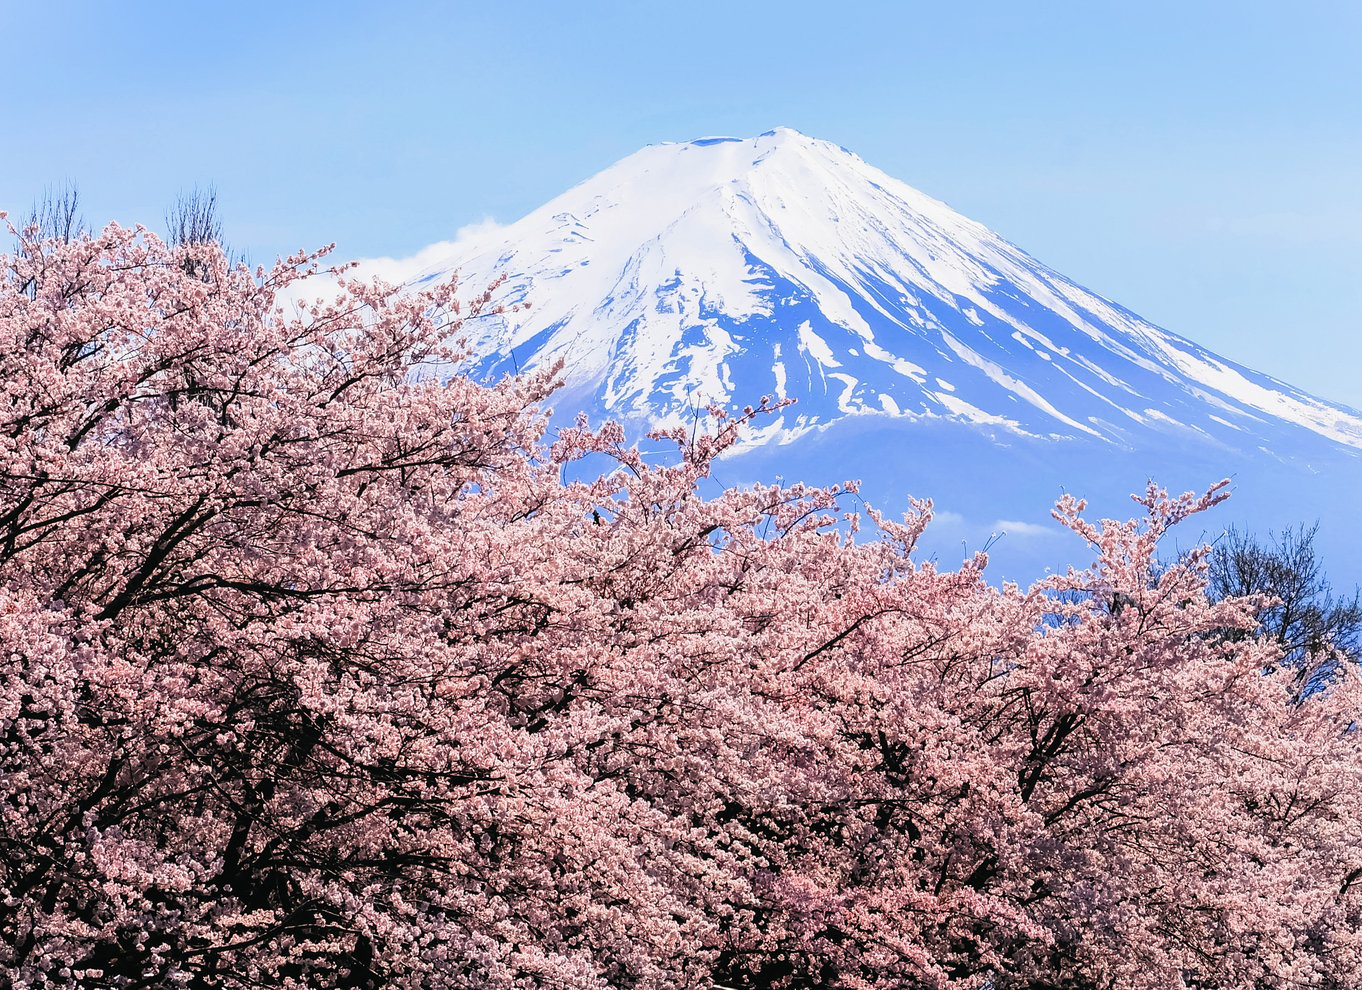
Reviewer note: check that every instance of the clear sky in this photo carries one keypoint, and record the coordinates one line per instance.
(1197, 162)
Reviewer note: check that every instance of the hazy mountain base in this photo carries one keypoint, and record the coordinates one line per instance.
(1006, 484)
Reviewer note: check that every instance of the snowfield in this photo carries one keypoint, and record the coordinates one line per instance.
(722, 269)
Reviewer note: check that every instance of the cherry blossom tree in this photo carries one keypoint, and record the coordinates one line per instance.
(316, 672)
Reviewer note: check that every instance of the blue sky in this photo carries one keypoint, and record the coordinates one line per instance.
(1198, 162)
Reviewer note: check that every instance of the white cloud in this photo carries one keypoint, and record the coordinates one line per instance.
(1015, 527)
(947, 518)
(946, 523)
(467, 238)
(398, 271)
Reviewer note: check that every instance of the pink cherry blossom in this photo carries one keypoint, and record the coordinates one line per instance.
(316, 672)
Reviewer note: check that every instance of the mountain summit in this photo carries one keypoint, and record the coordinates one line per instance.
(929, 356)
(722, 269)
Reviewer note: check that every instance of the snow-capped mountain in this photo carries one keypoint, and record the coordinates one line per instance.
(723, 269)
(928, 355)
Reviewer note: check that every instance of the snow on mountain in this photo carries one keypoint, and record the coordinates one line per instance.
(723, 269)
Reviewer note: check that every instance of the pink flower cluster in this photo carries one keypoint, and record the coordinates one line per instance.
(314, 672)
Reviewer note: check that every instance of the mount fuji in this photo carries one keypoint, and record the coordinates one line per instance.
(926, 354)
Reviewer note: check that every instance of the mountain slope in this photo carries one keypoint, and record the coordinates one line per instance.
(723, 269)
